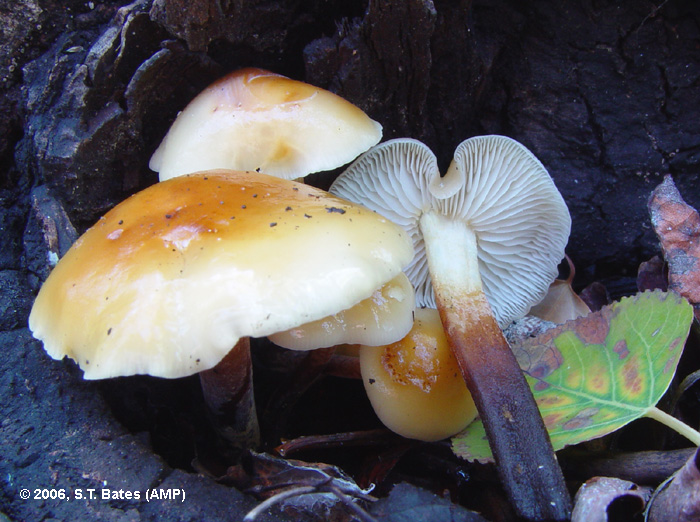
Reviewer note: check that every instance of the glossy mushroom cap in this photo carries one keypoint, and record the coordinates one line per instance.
(169, 280)
(415, 385)
(260, 121)
(494, 185)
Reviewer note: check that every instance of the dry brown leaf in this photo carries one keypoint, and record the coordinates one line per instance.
(596, 296)
(652, 275)
(264, 475)
(677, 226)
(301, 490)
(561, 303)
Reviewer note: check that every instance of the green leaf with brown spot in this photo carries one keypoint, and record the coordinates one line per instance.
(593, 375)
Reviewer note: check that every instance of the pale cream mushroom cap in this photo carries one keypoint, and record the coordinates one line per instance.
(415, 385)
(168, 281)
(260, 121)
(496, 186)
(383, 317)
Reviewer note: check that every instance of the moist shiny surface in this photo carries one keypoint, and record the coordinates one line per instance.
(181, 270)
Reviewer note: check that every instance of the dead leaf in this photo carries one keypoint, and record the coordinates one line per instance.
(263, 475)
(677, 226)
(600, 497)
(679, 499)
(561, 303)
(651, 275)
(595, 296)
(297, 488)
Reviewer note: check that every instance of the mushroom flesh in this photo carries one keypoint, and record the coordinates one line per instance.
(414, 384)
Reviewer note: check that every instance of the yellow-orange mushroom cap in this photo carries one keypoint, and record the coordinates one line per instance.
(169, 280)
(415, 385)
(254, 119)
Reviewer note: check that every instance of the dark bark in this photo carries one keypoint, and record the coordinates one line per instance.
(604, 93)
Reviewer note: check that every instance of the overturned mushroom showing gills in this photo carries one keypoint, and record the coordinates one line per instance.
(488, 238)
(172, 278)
(414, 384)
(257, 120)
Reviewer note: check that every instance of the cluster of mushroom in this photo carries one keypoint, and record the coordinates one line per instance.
(488, 238)
(174, 280)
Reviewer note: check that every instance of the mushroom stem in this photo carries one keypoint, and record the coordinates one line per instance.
(228, 394)
(343, 366)
(526, 462)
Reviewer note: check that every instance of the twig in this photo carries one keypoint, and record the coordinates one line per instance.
(326, 485)
(348, 503)
(276, 499)
(641, 467)
(353, 438)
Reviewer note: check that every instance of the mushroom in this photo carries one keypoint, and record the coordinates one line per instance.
(488, 237)
(414, 384)
(257, 120)
(260, 121)
(173, 277)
